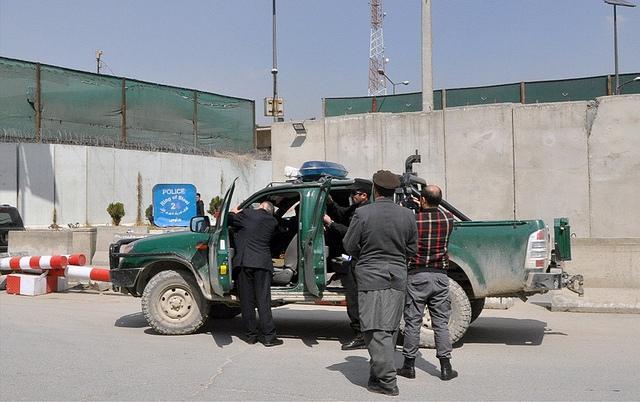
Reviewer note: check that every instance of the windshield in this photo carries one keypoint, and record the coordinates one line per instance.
(10, 218)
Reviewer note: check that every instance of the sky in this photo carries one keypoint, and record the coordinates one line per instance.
(225, 46)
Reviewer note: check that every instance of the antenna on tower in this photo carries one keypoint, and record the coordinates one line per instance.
(377, 83)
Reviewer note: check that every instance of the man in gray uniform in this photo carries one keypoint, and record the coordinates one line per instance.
(382, 237)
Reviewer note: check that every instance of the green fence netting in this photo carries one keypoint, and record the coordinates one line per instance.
(85, 108)
(532, 92)
(483, 95)
(79, 107)
(17, 99)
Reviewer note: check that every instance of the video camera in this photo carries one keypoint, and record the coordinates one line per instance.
(410, 184)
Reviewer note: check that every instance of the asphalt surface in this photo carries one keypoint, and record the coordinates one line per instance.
(90, 346)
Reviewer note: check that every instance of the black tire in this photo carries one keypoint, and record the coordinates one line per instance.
(476, 308)
(173, 304)
(223, 311)
(458, 322)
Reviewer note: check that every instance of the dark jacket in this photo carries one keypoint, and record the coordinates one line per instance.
(382, 237)
(254, 229)
(200, 208)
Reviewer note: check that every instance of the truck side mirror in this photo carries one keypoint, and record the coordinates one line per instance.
(199, 224)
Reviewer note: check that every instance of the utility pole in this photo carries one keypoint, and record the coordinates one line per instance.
(427, 72)
(98, 55)
(274, 68)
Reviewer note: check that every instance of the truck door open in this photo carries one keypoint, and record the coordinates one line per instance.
(220, 255)
(314, 256)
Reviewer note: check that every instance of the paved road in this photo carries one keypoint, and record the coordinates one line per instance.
(88, 346)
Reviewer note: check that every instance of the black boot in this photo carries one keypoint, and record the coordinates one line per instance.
(408, 369)
(356, 343)
(446, 372)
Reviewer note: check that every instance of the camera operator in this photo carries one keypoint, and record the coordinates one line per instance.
(428, 284)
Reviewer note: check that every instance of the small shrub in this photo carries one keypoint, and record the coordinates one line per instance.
(214, 205)
(149, 213)
(116, 211)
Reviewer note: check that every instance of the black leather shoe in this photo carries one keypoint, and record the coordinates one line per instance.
(379, 389)
(446, 371)
(273, 342)
(408, 369)
(355, 343)
(251, 340)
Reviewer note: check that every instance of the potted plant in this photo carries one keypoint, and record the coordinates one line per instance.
(116, 211)
(214, 207)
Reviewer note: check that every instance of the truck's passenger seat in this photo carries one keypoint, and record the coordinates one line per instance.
(282, 276)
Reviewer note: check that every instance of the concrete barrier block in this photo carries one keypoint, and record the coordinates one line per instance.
(105, 235)
(84, 241)
(606, 263)
(41, 242)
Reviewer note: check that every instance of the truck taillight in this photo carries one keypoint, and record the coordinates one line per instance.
(538, 250)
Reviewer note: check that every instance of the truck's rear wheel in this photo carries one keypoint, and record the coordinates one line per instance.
(476, 308)
(458, 322)
(172, 303)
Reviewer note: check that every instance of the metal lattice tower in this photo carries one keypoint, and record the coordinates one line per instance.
(377, 83)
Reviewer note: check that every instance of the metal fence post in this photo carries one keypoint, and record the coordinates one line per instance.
(609, 91)
(523, 96)
(123, 114)
(38, 106)
(443, 98)
(195, 119)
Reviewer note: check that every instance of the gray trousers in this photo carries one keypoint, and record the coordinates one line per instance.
(429, 289)
(382, 345)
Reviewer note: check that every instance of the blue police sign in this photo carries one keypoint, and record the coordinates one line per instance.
(173, 204)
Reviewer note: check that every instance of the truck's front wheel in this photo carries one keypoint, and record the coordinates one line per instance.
(458, 322)
(172, 303)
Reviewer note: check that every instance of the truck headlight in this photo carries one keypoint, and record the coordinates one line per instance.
(126, 248)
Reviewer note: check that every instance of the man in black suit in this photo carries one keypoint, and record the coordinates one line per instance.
(337, 222)
(254, 229)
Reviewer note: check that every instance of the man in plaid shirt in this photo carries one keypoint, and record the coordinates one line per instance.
(428, 285)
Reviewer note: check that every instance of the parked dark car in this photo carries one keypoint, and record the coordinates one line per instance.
(9, 220)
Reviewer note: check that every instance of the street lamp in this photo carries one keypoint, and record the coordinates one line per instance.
(381, 72)
(636, 79)
(615, 4)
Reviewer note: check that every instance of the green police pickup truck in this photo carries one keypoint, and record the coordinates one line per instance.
(186, 277)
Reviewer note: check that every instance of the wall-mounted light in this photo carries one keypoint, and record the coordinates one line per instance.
(299, 128)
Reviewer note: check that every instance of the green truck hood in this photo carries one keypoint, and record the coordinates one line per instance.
(181, 243)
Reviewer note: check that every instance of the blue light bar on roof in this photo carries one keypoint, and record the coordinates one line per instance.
(313, 170)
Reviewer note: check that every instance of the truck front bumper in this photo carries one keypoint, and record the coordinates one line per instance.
(124, 278)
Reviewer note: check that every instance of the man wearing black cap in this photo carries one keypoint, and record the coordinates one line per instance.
(382, 237)
(337, 229)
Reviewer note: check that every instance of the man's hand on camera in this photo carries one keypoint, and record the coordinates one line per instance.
(327, 220)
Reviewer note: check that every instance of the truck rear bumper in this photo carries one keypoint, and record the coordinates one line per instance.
(553, 280)
(541, 281)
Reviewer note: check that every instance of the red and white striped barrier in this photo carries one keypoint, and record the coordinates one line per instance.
(74, 272)
(76, 259)
(54, 273)
(34, 264)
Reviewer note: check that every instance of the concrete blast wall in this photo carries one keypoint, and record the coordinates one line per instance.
(505, 161)
(79, 181)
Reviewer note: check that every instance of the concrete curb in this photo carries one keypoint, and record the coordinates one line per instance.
(598, 300)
